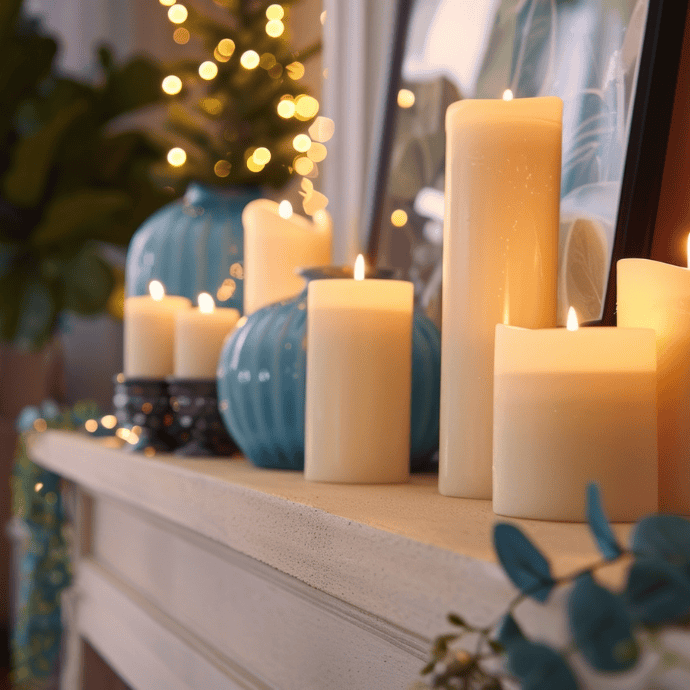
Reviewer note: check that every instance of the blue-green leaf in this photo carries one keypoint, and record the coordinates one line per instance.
(662, 536)
(601, 626)
(509, 632)
(523, 562)
(657, 591)
(605, 538)
(538, 667)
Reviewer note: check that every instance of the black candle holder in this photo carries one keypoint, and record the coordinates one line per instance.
(199, 425)
(143, 407)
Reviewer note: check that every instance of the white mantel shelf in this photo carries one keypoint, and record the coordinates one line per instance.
(333, 537)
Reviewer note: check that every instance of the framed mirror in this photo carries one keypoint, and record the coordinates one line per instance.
(613, 62)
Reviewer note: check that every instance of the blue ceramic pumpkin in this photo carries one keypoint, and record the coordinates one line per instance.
(193, 245)
(262, 381)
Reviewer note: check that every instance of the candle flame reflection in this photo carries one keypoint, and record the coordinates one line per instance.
(507, 95)
(157, 290)
(206, 303)
(359, 268)
(572, 324)
(285, 209)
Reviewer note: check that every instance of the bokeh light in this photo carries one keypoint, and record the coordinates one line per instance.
(219, 56)
(212, 106)
(275, 12)
(286, 108)
(250, 59)
(275, 28)
(178, 14)
(91, 425)
(208, 70)
(177, 156)
(268, 60)
(253, 165)
(295, 70)
(301, 143)
(303, 165)
(226, 47)
(306, 107)
(261, 156)
(405, 98)
(285, 209)
(317, 152)
(322, 129)
(181, 36)
(398, 217)
(222, 168)
(167, 3)
(172, 85)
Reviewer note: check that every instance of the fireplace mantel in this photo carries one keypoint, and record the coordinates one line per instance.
(213, 573)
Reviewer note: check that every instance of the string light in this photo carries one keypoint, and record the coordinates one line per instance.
(172, 85)
(181, 36)
(405, 98)
(306, 107)
(109, 421)
(226, 47)
(295, 70)
(208, 70)
(91, 425)
(253, 165)
(275, 12)
(398, 218)
(249, 59)
(219, 56)
(261, 156)
(301, 143)
(178, 14)
(268, 60)
(275, 28)
(177, 156)
(38, 486)
(507, 95)
(222, 168)
(167, 3)
(322, 129)
(286, 108)
(285, 209)
(317, 152)
(303, 165)
(212, 106)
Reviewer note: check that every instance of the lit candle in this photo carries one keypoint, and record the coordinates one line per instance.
(657, 295)
(277, 242)
(574, 407)
(149, 330)
(359, 362)
(503, 166)
(199, 336)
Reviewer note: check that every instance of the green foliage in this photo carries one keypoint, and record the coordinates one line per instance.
(237, 110)
(608, 629)
(69, 178)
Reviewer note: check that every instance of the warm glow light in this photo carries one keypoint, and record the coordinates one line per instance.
(181, 36)
(156, 290)
(206, 303)
(286, 108)
(317, 152)
(167, 3)
(250, 59)
(218, 56)
(275, 12)
(688, 259)
(40, 424)
(132, 438)
(572, 324)
(405, 98)
(91, 425)
(398, 217)
(222, 168)
(306, 107)
(226, 47)
(212, 106)
(295, 70)
(208, 70)
(285, 209)
(177, 156)
(109, 421)
(359, 268)
(322, 129)
(301, 143)
(38, 486)
(267, 61)
(303, 166)
(122, 433)
(323, 17)
(253, 165)
(507, 95)
(275, 28)
(261, 156)
(178, 14)
(172, 85)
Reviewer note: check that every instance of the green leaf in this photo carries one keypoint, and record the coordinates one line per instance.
(509, 632)
(666, 537)
(85, 213)
(33, 157)
(538, 667)
(605, 538)
(657, 592)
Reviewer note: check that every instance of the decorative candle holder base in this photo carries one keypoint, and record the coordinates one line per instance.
(201, 431)
(145, 403)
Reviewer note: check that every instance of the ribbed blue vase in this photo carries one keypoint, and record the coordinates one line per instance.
(193, 245)
(262, 381)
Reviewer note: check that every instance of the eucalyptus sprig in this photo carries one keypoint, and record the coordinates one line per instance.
(609, 629)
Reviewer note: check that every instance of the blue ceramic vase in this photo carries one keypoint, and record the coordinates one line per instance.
(193, 245)
(262, 381)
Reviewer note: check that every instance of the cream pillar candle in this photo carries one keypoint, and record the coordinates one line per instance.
(277, 242)
(199, 336)
(500, 239)
(359, 362)
(657, 295)
(573, 408)
(149, 330)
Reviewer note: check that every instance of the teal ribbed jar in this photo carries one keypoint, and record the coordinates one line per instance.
(262, 381)
(193, 245)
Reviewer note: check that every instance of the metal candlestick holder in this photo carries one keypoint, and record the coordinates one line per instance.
(143, 407)
(201, 431)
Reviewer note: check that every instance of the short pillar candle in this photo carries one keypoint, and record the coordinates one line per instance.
(359, 362)
(573, 408)
(657, 295)
(500, 242)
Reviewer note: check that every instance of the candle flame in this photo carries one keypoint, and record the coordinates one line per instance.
(206, 303)
(572, 324)
(157, 290)
(507, 95)
(285, 209)
(359, 268)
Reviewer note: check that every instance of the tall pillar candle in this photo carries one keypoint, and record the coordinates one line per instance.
(277, 242)
(199, 337)
(573, 408)
(359, 361)
(500, 239)
(149, 333)
(657, 295)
